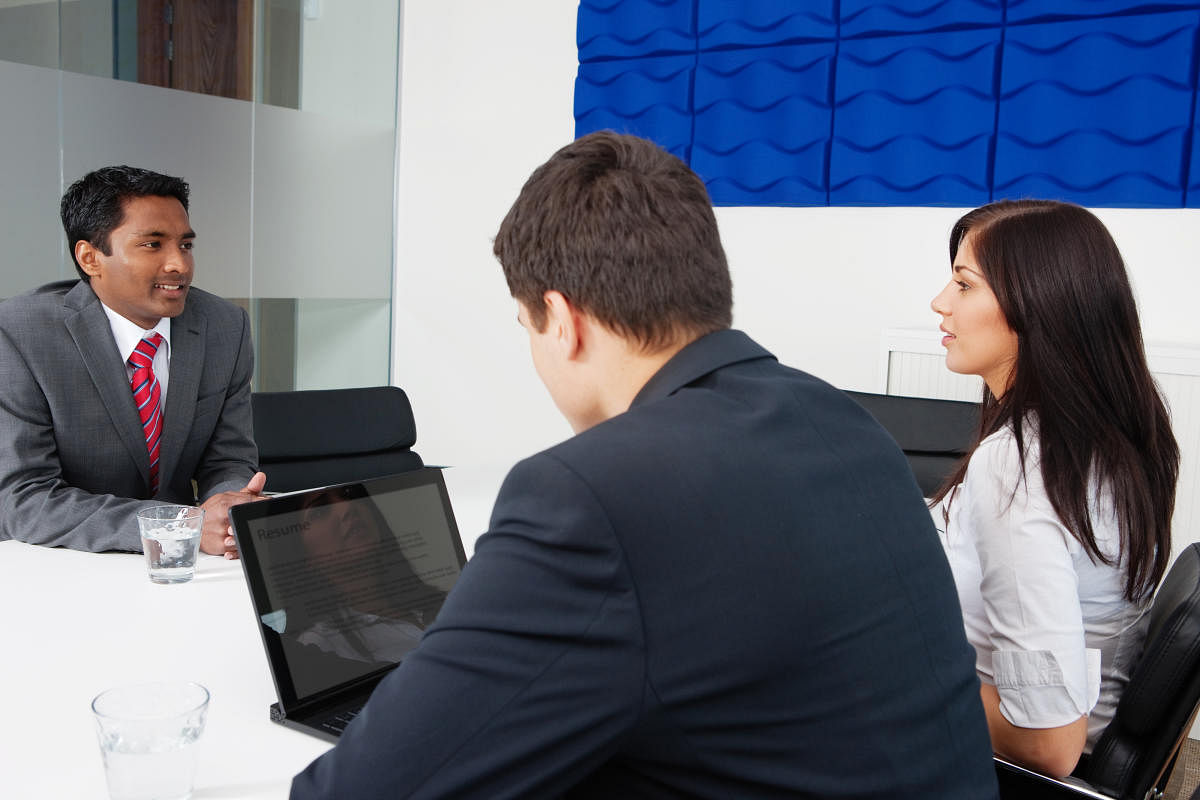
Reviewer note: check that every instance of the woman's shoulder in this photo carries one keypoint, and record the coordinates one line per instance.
(1001, 453)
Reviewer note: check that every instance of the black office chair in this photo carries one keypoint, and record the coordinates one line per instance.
(321, 437)
(934, 434)
(1135, 755)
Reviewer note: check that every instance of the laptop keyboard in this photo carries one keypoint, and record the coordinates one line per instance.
(338, 722)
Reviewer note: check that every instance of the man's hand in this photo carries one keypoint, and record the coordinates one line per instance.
(217, 537)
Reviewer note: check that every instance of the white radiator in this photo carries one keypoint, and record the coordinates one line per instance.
(913, 363)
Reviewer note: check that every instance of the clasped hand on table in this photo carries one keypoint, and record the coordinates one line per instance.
(217, 536)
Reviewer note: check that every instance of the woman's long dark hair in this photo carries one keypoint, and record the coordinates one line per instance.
(1081, 369)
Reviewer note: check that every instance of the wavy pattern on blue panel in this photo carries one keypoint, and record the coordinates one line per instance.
(790, 122)
(793, 125)
(946, 174)
(1083, 164)
(634, 28)
(874, 57)
(649, 97)
(940, 190)
(1089, 158)
(1095, 110)
(914, 102)
(1192, 197)
(1135, 109)
(735, 23)
(913, 119)
(871, 17)
(762, 66)
(1093, 54)
(910, 68)
(762, 118)
(741, 148)
(631, 87)
(1032, 10)
(1135, 191)
(761, 78)
(1148, 144)
(943, 92)
(758, 172)
(762, 169)
(1131, 44)
(766, 112)
(784, 192)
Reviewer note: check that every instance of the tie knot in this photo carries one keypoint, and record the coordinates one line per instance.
(143, 353)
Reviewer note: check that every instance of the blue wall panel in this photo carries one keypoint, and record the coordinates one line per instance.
(762, 119)
(1019, 11)
(1092, 114)
(870, 17)
(1193, 166)
(905, 102)
(634, 28)
(914, 116)
(649, 96)
(722, 24)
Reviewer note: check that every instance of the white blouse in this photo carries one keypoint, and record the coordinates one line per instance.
(1051, 628)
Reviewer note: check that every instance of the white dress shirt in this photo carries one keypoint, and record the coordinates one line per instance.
(127, 334)
(1052, 629)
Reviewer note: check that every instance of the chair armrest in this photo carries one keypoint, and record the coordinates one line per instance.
(1019, 783)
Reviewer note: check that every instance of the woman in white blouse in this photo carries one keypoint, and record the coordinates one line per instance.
(1057, 524)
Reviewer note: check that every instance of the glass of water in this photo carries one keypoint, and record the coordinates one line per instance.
(170, 539)
(147, 735)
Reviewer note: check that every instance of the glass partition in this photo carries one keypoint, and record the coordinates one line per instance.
(281, 116)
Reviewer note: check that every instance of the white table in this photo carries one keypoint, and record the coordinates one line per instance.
(73, 624)
(77, 623)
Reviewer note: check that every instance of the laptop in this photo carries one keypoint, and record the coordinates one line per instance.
(344, 579)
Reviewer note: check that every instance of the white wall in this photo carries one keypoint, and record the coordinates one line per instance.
(486, 96)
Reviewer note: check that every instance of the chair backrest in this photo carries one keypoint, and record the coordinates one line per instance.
(320, 437)
(1161, 699)
(934, 434)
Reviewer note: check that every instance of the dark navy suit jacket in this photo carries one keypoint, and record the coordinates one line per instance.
(732, 590)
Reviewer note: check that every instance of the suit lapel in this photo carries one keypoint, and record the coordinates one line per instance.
(93, 337)
(187, 359)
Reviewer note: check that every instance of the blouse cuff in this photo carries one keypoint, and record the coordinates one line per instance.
(1035, 692)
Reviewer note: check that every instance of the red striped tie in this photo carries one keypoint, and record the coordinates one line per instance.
(146, 395)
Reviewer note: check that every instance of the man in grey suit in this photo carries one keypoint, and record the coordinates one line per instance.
(78, 457)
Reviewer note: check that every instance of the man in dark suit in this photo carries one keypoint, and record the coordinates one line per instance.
(725, 585)
(77, 456)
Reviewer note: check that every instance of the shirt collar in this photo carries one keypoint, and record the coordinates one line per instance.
(702, 356)
(127, 334)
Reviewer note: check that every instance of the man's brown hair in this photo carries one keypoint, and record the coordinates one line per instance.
(626, 232)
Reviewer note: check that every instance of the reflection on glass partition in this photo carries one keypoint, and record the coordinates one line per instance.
(29, 33)
(281, 116)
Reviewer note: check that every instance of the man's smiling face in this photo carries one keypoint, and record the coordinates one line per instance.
(149, 269)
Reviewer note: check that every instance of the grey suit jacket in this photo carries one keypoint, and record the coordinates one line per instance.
(73, 463)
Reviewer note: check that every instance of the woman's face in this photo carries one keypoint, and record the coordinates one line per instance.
(978, 340)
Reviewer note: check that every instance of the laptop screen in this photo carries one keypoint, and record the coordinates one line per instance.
(345, 579)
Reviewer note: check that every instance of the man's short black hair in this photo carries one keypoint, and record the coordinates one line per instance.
(626, 232)
(94, 206)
